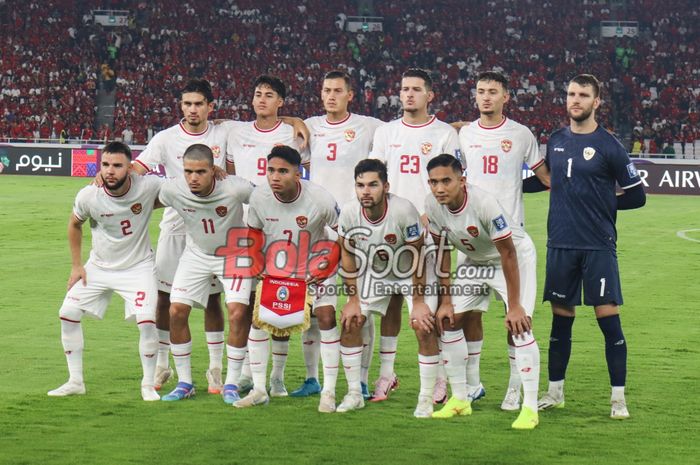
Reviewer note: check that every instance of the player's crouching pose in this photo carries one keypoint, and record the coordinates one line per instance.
(381, 240)
(474, 222)
(209, 209)
(121, 261)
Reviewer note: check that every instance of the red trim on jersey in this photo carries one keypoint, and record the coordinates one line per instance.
(143, 164)
(254, 229)
(537, 165)
(182, 126)
(488, 128)
(104, 186)
(294, 199)
(381, 218)
(255, 125)
(502, 237)
(339, 122)
(432, 118)
(464, 204)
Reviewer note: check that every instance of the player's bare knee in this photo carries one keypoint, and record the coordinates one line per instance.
(237, 313)
(179, 312)
(325, 317)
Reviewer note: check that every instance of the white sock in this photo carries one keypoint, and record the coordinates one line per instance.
(330, 356)
(387, 355)
(311, 348)
(182, 356)
(455, 354)
(618, 393)
(428, 368)
(527, 358)
(368, 333)
(556, 387)
(441, 373)
(163, 348)
(474, 348)
(148, 351)
(72, 340)
(245, 371)
(215, 343)
(352, 361)
(279, 358)
(234, 357)
(259, 352)
(514, 381)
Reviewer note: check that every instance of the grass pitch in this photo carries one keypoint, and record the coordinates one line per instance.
(660, 275)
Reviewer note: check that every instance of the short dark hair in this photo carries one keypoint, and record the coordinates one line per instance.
(493, 76)
(445, 159)
(198, 152)
(588, 80)
(419, 73)
(371, 165)
(273, 82)
(201, 86)
(338, 74)
(286, 153)
(117, 147)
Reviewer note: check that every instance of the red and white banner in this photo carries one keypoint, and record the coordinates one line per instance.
(281, 306)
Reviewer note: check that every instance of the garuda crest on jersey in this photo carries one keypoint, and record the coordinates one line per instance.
(302, 221)
(216, 150)
(426, 147)
(221, 211)
(473, 231)
(390, 239)
(136, 208)
(588, 153)
(506, 145)
(349, 135)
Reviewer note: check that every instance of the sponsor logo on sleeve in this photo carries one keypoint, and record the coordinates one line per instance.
(500, 223)
(412, 231)
(632, 170)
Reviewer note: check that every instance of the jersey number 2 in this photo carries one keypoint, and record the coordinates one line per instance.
(126, 227)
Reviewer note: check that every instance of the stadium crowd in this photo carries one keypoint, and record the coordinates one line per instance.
(51, 61)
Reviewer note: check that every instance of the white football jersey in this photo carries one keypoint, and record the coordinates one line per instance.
(167, 148)
(208, 218)
(474, 227)
(399, 225)
(494, 158)
(248, 147)
(119, 225)
(335, 150)
(299, 223)
(406, 149)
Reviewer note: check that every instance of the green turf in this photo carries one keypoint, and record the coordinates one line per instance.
(660, 274)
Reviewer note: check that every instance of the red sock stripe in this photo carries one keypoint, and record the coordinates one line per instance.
(474, 353)
(512, 358)
(525, 345)
(382, 352)
(452, 342)
(351, 353)
(258, 340)
(235, 359)
(330, 342)
(69, 320)
(278, 353)
(164, 343)
(146, 321)
(427, 363)
(215, 343)
(331, 368)
(183, 355)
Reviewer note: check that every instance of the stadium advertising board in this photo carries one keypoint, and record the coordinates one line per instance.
(669, 179)
(35, 160)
